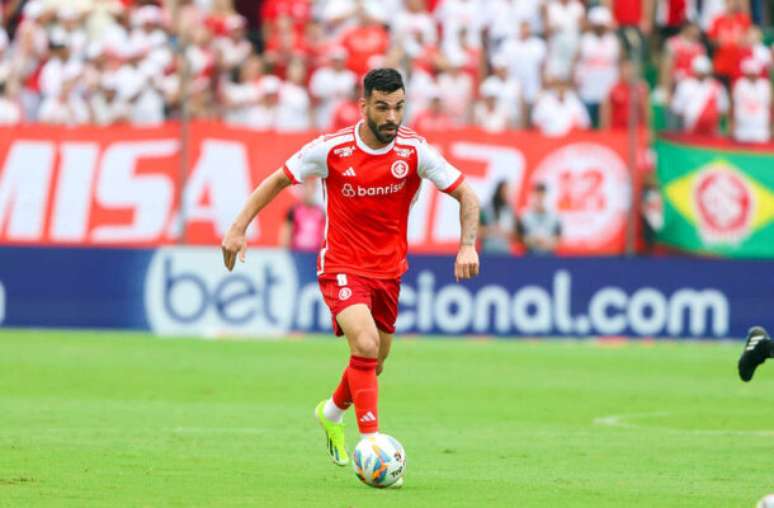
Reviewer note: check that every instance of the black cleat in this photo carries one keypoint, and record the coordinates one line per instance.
(757, 348)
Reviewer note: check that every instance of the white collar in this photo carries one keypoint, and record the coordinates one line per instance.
(367, 149)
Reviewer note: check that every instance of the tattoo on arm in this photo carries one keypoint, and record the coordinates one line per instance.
(469, 217)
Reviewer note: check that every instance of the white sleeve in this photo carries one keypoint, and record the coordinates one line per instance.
(310, 161)
(435, 168)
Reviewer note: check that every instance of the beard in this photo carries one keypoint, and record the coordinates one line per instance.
(379, 132)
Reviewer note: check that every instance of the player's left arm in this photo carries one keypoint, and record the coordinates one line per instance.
(466, 265)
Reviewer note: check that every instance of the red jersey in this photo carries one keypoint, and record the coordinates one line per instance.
(363, 43)
(368, 194)
(728, 32)
(620, 104)
(627, 12)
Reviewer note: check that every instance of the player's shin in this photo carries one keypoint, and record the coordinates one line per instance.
(337, 405)
(364, 387)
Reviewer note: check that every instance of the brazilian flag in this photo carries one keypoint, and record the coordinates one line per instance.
(718, 199)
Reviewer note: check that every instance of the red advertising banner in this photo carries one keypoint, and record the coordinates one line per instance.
(135, 187)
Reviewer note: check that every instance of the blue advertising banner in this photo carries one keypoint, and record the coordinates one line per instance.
(186, 291)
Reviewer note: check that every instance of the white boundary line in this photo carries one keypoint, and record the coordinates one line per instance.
(625, 421)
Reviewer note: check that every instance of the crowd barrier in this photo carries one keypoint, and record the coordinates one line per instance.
(187, 291)
(123, 186)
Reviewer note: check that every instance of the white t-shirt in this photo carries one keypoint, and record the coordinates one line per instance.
(525, 59)
(752, 110)
(330, 87)
(414, 30)
(565, 21)
(456, 93)
(106, 112)
(72, 111)
(597, 70)
(456, 14)
(233, 53)
(557, 117)
(491, 120)
(54, 72)
(692, 97)
(293, 111)
(242, 98)
(10, 112)
(509, 97)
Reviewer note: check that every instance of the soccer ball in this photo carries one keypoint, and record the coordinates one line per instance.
(379, 461)
(766, 502)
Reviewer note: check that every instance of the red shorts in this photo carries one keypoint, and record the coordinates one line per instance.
(381, 295)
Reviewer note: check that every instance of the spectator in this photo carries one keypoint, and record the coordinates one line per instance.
(563, 20)
(498, 222)
(634, 21)
(456, 88)
(754, 48)
(700, 101)
(106, 107)
(597, 68)
(69, 30)
(241, 97)
(263, 117)
(414, 29)
(10, 110)
(677, 57)
(727, 34)
(460, 18)
(616, 110)
(558, 111)
(651, 211)
(751, 105)
(526, 57)
(671, 15)
(489, 114)
(331, 84)
(67, 107)
(539, 228)
(347, 111)
(58, 69)
(305, 221)
(434, 117)
(294, 114)
(233, 48)
(509, 95)
(363, 42)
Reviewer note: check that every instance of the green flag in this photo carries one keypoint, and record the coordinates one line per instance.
(717, 200)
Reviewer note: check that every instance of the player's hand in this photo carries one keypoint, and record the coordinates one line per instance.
(466, 265)
(234, 244)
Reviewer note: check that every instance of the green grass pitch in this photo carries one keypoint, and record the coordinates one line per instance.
(111, 419)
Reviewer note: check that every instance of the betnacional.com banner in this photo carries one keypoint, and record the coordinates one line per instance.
(718, 198)
(133, 187)
(186, 291)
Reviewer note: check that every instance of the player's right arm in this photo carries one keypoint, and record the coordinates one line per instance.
(307, 162)
(235, 241)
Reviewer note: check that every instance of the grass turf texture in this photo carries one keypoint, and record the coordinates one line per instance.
(103, 419)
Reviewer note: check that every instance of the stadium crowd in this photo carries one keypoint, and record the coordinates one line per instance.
(294, 65)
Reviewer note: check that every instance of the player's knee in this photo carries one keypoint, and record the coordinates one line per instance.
(368, 344)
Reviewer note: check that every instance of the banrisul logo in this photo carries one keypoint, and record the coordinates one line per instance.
(188, 291)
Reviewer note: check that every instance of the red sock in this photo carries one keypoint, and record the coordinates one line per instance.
(341, 397)
(364, 388)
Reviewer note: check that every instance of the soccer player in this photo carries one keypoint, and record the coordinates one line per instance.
(371, 173)
(757, 349)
